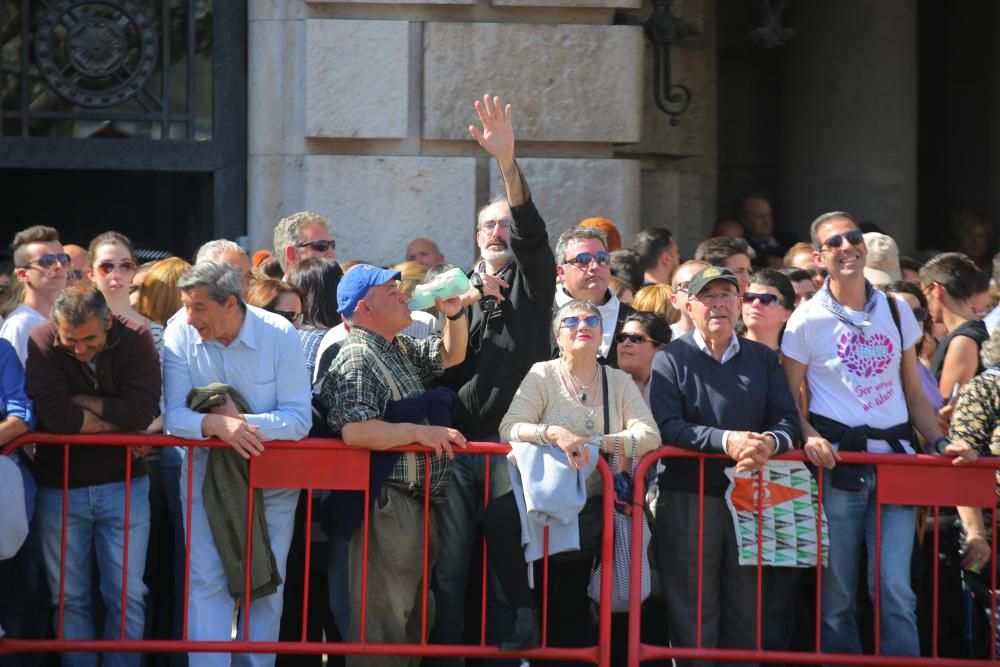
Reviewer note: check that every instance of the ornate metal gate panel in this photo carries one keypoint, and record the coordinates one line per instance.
(151, 85)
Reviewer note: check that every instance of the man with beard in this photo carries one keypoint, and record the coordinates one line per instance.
(508, 332)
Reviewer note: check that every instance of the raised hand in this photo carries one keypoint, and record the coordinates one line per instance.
(497, 133)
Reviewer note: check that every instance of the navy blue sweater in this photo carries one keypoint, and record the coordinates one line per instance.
(695, 399)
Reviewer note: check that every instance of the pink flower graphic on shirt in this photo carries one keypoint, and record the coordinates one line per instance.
(865, 356)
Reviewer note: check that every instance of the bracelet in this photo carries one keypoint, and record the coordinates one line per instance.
(597, 441)
(540, 434)
(458, 316)
(940, 444)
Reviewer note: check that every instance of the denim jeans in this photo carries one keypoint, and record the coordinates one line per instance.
(851, 516)
(95, 521)
(210, 606)
(457, 517)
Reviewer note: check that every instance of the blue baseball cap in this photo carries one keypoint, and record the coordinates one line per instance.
(357, 281)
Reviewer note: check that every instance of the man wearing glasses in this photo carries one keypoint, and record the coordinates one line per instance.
(679, 296)
(40, 263)
(864, 393)
(584, 269)
(716, 393)
(509, 322)
(302, 235)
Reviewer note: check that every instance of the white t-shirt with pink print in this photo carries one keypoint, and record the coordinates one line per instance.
(853, 370)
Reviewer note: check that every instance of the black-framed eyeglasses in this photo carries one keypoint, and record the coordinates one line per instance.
(490, 225)
(573, 322)
(48, 261)
(853, 237)
(920, 313)
(289, 315)
(765, 298)
(76, 275)
(682, 287)
(634, 338)
(583, 259)
(125, 266)
(319, 246)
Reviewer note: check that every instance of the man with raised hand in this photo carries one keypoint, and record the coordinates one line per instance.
(508, 332)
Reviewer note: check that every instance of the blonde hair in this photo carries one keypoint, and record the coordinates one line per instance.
(656, 299)
(412, 274)
(159, 296)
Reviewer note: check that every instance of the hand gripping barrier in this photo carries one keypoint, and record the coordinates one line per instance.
(902, 480)
(310, 464)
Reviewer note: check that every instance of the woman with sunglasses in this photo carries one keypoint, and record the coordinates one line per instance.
(767, 305)
(112, 266)
(915, 299)
(560, 407)
(278, 297)
(643, 334)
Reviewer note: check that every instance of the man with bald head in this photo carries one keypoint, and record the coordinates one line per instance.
(229, 253)
(78, 262)
(424, 252)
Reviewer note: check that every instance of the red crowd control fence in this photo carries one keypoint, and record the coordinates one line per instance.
(311, 465)
(901, 480)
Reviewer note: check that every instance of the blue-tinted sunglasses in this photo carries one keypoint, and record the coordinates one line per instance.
(573, 322)
(584, 259)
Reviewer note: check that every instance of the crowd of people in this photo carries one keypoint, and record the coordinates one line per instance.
(757, 345)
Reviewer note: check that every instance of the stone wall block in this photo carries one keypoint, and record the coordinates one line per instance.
(356, 79)
(265, 87)
(376, 205)
(566, 82)
(567, 191)
(689, 68)
(676, 200)
(615, 4)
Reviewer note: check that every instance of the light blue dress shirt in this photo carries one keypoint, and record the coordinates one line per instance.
(264, 363)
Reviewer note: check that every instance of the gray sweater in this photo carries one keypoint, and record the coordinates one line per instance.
(695, 399)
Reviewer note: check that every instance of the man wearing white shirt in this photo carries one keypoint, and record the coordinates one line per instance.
(256, 353)
(40, 263)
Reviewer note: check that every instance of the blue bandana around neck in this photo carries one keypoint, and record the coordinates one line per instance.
(835, 307)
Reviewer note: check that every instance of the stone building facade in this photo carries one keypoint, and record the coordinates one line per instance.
(360, 112)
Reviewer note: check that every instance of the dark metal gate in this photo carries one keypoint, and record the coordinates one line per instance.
(132, 86)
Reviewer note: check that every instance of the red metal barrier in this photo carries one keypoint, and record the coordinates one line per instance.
(901, 480)
(310, 464)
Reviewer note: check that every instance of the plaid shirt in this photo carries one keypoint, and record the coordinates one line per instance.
(355, 389)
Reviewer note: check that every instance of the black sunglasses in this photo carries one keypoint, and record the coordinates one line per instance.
(635, 338)
(765, 298)
(289, 315)
(583, 259)
(855, 237)
(318, 246)
(48, 261)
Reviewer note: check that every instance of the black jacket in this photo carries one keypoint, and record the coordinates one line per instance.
(504, 344)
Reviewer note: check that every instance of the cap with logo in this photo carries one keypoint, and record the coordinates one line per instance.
(710, 274)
